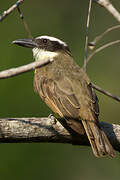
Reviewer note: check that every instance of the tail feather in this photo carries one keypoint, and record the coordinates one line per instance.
(108, 146)
(98, 139)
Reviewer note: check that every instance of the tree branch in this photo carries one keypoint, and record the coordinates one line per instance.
(106, 92)
(11, 9)
(102, 48)
(86, 39)
(33, 129)
(93, 43)
(25, 68)
(110, 8)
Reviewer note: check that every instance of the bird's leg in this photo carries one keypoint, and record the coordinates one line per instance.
(53, 119)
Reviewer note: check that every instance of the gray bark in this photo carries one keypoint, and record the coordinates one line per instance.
(33, 129)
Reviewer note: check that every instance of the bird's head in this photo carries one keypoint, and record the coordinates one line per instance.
(44, 46)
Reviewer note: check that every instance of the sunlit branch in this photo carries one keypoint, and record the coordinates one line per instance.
(29, 130)
(110, 8)
(10, 10)
(25, 68)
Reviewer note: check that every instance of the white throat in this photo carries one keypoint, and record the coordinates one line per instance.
(41, 54)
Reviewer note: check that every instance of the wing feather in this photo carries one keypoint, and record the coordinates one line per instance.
(62, 98)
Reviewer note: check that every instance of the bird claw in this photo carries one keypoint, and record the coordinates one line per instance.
(53, 119)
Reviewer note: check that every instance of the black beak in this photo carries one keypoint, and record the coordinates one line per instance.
(29, 43)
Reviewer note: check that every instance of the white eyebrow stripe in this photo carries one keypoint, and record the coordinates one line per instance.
(52, 39)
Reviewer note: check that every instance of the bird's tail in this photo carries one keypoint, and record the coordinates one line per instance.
(98, 139)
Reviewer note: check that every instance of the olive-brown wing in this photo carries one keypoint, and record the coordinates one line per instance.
(59, 96)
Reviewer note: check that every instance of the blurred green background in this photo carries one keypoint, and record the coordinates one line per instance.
(65, 20)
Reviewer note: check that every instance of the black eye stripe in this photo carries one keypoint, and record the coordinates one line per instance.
(51, 44)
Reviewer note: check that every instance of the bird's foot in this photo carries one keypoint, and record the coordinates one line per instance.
(53, 119)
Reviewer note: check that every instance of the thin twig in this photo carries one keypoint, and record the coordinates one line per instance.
(86, 41)
(25, 23)
(106, 92)
(11, 9)
(101, 48)
(25, 68)
(98, 38)
(110, 8)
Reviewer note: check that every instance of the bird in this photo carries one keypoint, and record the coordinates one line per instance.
(67, 90)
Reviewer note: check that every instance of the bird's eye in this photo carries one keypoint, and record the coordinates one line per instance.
(45, 41)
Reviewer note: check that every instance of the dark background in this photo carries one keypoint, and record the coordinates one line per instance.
(65, 20)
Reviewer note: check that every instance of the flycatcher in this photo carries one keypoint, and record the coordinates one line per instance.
(67, 90)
